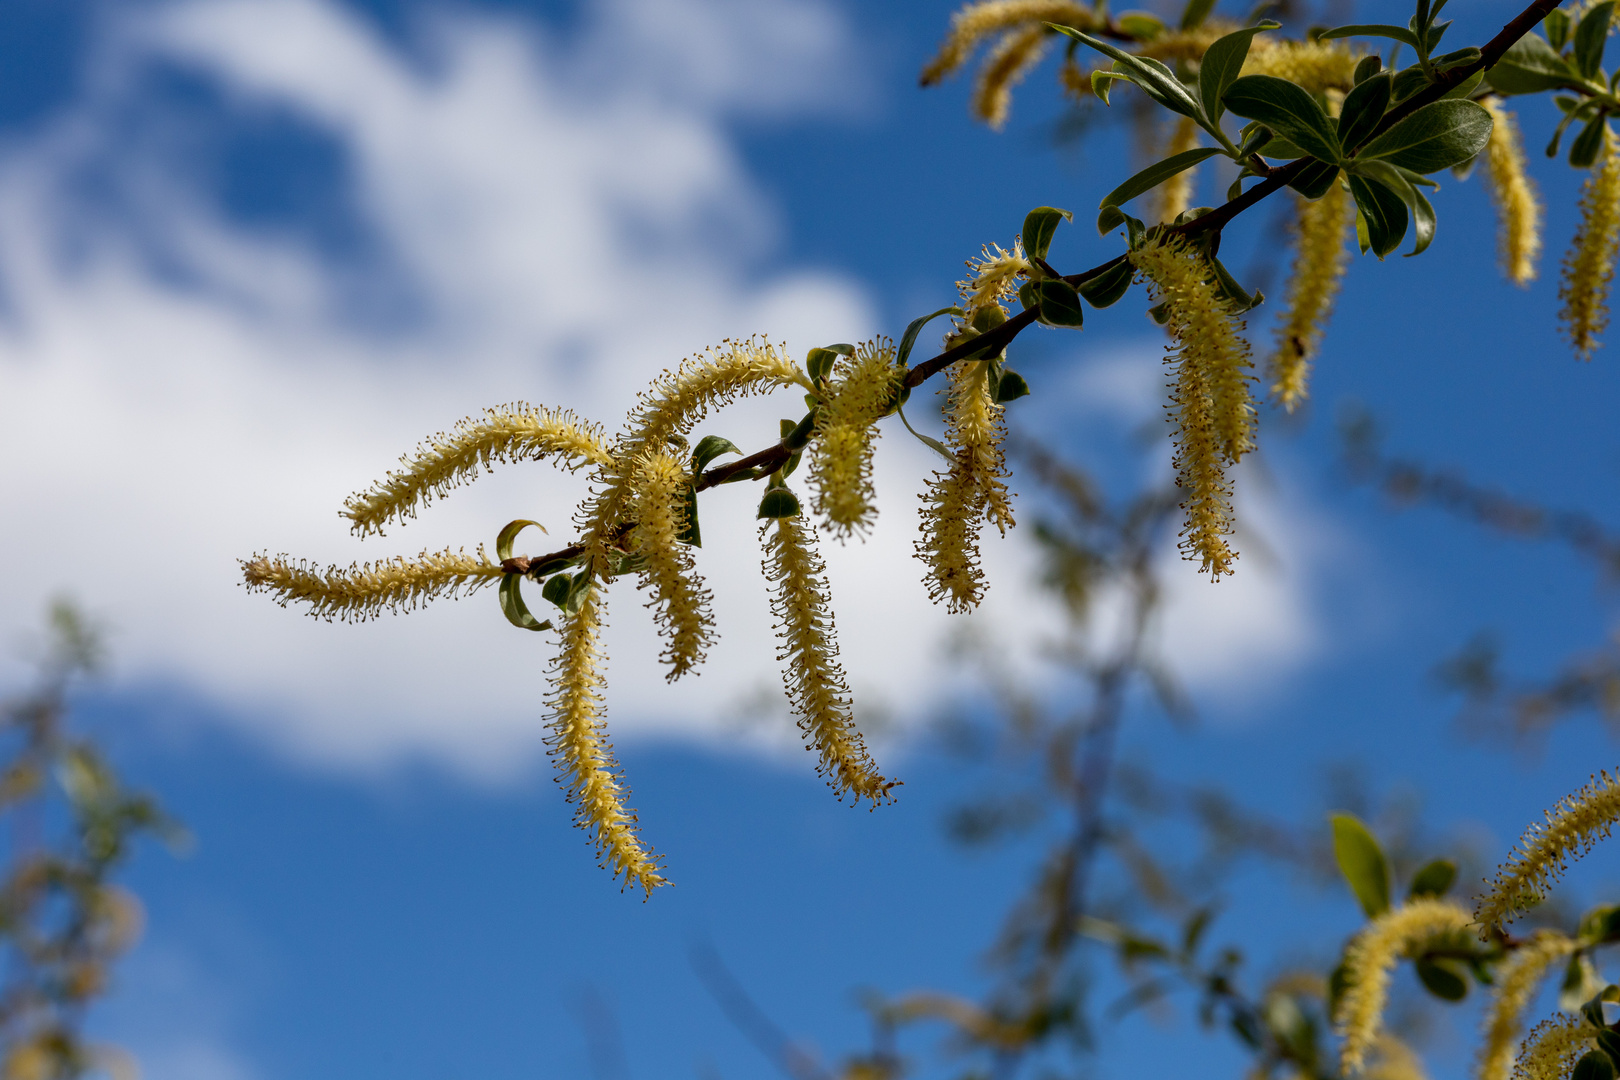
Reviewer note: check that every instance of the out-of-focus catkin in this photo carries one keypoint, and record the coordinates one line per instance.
(1553, 1048)
(1320, 259)
(1589, 266)
(1518, 209)
(976, 22)
(1517, 980)
(1019, 51)
(861, 391)
(680, 602)
(1175, 194)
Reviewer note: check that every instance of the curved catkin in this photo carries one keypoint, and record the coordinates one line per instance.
(510, 433)
(811, 674)
(1517, 980)
(1175, 194)
(992, 279)
(1019, 51)
(1589, 266)
(1320, 259)
(364, 591)
(658, 487)
(1553, 1048)
(1370, 959)
(1518, 209)
(586, 767)
(1391, 1059)
(976, 22)
(1210, 403)
(1573, 825)
(862, 390)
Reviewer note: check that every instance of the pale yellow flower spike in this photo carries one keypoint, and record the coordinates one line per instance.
(976, 22)
(1573, 825)
(1392, 1059)
(1517, 981)
(1209, 397)
(1320, 259)
(1318, 66)
(1175, 194)
(1589, 266)
(1369, 961)
(658, 486)
(1019, 51)
(363, 592)
(1553, 1048)
(993, 279)
(862, 389)
(518, 432)
(811, 674)
(1518, 209)
(584, 757)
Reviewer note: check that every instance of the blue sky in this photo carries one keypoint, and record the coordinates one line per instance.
(252, 250)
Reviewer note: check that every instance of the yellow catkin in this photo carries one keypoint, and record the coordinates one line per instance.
(1391, 1059)
(1518, 209)
(1012, 59)
(1589, 266)
(993, 279)
(586, 767)
(1318, 66)
(1553, 1048)
(1517, 980)
(1573, 825)
(510, 433)
(976, 22)
(659, 491)
(1175, 194)
(1371, 958)
(861, 391)
(808, 650)
(1210, 403)
(1320, 259)
(364, 591)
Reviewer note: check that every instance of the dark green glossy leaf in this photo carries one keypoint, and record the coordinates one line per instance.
(1156, 80)
(1194, 14)
(1393, 180)
(778, 502)
(1434, 879)
(1456, 59)
(1466, 88)
(1235, 294)
(1409, 81)
(908, 340)
(1591, 35)
(579, 587)
(1383, 213)
(691, 533)
(1059, 303)
(1156, 174)
(1362, 109)
(1593, 1065)
(512, 606)
(1040, 225)
(1557, 26)
(1383, 30)
(800, 435)
(1584, 150)
(1439, 135)
(1609, 1042)
(1286, 109)
(556, 589)
(1530, 66)
(1316, 179)
(508, 535)
(1366, 68)
(1107, 287)
(1221, 65)
(1360, 858)
(1111, 218)
(1441, 980)
(1011, 387)
(708, 448)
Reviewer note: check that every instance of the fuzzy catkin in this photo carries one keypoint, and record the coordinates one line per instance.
(364, 591)
(1392, 1059)
(1553, 1048)
(1573, 825)
(579, 746)
(1518, 209)
(1018, 51)
(1517, 980)
(861, 392)
(1318, 66)
(1370, 959)
(518, 432)
(1210, 403)
(681, 603)
(1320, 259)
(992, 279)
(808, 650)
(1175, 194)
(1589, 266)
(975, 22)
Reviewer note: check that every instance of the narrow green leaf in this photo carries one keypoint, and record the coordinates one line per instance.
(1385, 214)
(1434, 879)
(1439, 135)
(508, 535)
(1392, 180)
(933, 444)
(1234, 293)
(1361, 860)
(1591, 35)
(1156, 80)
(708, 448)
(1530, 66)
(1011, 387)
(1040, 225)
(1584, 150)
(1315, 180)
(1362, 109)
(1141, 26)
(908, 340)
(1194, 14)
(1558, 132)
(1384, 30)
(1059, 304)
(1557, 25)
(1593, 1065)
(1222, 63)
(512, 606)
(1409, 81)
(1157, 173)
(1366, 68)
(1441, 980)
(1466, 88)
(1111, 218)
(1286, 109)
(1102, 81)
(778, 502)
(1107, 288)
(691, 534)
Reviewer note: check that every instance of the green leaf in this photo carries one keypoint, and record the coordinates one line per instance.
(1102, 81)
(778, 502)
(1391, 178)
(1194, 14)
(1235, 294)
(1591, 35)
(1222, 63)
(1409, 81)
(1439, 135)
(1107, 287)
(691, 534)
(1287, 110)
(1457, 58)
(504, 541)
(1609, 1042)
(1441, 980)
(1593, 1065)
(1141, 26)
(1592, 1009)
(1434, 879)
(1366, 68)
(708, 448)
(1557, 26)
(1570, 115)
(1384, 213)
(579, 587)
(1584, 150)
(1466, 88)
(1010, 387)
(908, 340)
(1361, 860)
(1600, 925)
(1156, 80)
(1111, 218)
(513, 608)
(1156, 174)
(1579, 983)
(1315, 180)
(1059, 303)
(1362, 109)
(933, 444)
(1530, 66)
(799, 436)
(1040, 224)
(556, 589)
(1384, 30)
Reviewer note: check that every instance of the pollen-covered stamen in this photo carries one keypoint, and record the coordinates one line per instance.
(992, 279)
(1320, 259)
(862, 390)
(1553, 1048)
(1518, 209)
(1573, 825)
(659, 486)
(364, 591)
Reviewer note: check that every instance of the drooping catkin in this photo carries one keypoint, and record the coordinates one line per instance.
(586, 767)
(1175, 194)
(808, 650)
(658, 487)
(992, 279)
(1518, 209)
(1553, 1048)
(1589, 266)
(1573, 825)
(364, 591)
(1018, 51)
(1517, 980)
(976, 22)
(862, 389)
(1210, 403)
(1318, 66)
(1391, 1059)
(1370, 959)
(1320, 259)
(518, 432)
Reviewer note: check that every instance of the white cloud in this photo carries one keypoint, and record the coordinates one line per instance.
(569, 221)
